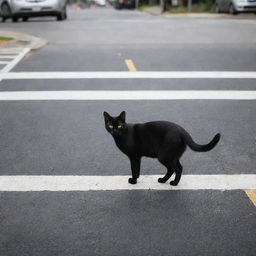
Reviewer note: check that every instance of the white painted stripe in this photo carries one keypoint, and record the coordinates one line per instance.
(2, 54)
(4, 62)
(128, 95)
(11, 50)
(7, 56)
(145, 182)
(130, 75)
(13, 63)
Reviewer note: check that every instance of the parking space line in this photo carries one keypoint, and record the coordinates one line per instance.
(129, 63)
(252, 195)
(145, 182)
(128, 95)
(131, 75)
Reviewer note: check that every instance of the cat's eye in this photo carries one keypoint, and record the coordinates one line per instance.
(119, 126)
(110, 126)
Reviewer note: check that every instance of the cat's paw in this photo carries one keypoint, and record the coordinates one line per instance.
(161, 180)
(173, 183)
(132, 181)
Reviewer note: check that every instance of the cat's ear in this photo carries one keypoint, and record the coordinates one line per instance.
(107, 117)
(122, 116)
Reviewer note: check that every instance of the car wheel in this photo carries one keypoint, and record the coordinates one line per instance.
(6, 11)
(65, 13)
(62, 15)
(25, 19)
(15, 19)
(59, 17)
(232, 9)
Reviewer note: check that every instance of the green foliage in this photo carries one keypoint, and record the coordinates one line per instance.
(3, 38)
(178, 10)
(143, 6)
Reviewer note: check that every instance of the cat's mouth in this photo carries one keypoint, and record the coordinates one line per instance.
(115, 132)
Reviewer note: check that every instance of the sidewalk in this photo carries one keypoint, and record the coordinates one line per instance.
(21, 40)
(156, 10)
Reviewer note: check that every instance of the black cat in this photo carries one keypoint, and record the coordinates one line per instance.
(163, 140)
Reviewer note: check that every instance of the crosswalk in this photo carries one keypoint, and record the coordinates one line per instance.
(131, 75)
(9, 57)
(129, 95)
(64, 184)
(106, 183)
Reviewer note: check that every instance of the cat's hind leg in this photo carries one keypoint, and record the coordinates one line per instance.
(168, 164)
(178, 171)
(167, 176)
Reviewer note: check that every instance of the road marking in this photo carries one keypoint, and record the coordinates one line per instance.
(14, 62)
(128, 95)
(7, 56)
(252, 195)
(131, 75)
(130, 65)
(10, 50)
(4, 62)
(145, 182)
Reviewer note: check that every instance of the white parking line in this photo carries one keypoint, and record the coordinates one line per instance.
(131, 75)
(128, 95)
(145, 182)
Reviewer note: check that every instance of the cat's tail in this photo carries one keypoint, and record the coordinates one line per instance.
(201, 148)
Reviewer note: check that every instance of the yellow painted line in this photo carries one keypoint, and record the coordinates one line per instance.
(130, 65)
(252, 195)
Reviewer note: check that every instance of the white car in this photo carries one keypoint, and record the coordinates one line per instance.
(25, 9)
(235, 6)
(100, 2)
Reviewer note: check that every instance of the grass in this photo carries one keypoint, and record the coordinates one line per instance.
(196, 8)
(203, 7)
(178, 10)
(143, 6)
(3, 38)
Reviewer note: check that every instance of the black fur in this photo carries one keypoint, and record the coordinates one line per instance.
(163, 140)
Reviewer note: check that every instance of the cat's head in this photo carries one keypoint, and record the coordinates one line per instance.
(115, 125)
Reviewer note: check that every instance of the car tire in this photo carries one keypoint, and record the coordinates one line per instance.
(25, 19)
(65, 13)
(15, 19)
(62, 15)
(232, 10)
(5, 11)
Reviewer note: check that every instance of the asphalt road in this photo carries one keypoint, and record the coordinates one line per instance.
(69, 138)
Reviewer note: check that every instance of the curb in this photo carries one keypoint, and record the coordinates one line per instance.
(22, 40)
(156, 11)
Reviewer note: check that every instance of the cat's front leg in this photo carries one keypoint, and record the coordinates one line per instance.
(135, 166)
